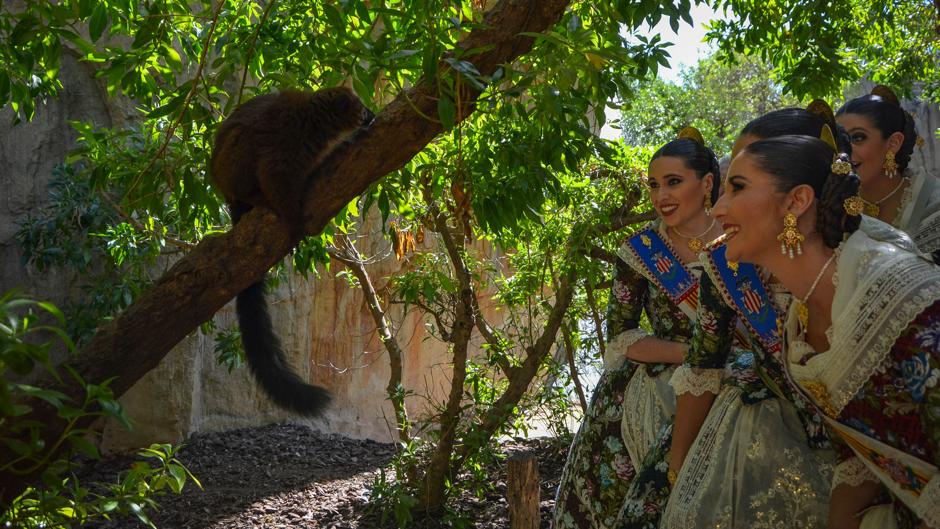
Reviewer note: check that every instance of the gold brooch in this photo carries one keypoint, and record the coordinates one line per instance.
(854, 205)
(733, 266)
(841, 167)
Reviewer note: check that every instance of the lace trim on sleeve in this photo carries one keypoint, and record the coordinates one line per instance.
(616, 352)
(927, 507)
(852, 472)
(696, 381)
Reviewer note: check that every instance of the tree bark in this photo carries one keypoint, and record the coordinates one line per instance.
(522, 491)
(433, 489)
(221, 266)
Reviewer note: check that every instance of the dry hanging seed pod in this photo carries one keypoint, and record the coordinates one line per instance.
(396, 240)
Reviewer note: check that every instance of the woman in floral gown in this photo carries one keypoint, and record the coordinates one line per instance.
(657, 274)
(860, 340)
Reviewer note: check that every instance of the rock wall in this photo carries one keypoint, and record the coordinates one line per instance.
(330, 339)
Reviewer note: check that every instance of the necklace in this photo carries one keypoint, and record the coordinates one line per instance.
(695, 244)
(801, 309)
(872, 209)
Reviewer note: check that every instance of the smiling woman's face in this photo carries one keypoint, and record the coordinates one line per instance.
(677, 193)
(869, 148)
(750, 210)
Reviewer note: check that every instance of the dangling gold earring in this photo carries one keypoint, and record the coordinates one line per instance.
(791, 237)
(890, 166)
(708, 204)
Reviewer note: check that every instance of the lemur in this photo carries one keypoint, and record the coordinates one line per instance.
(263, 155)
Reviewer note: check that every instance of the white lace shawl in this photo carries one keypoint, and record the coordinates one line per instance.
(882, 287)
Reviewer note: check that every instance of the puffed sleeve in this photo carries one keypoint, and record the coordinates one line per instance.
(629, 295)
(710, 347)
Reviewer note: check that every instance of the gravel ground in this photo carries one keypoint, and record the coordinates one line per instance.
(289, 476)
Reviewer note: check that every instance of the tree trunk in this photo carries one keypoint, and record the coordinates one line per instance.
(219, 267)
(433, 489)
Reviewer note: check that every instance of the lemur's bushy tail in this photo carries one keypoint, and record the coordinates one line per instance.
(266, 357)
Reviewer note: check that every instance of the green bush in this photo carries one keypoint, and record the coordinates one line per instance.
(57, 499)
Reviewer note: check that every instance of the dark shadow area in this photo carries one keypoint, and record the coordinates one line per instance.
(281, 475)
(289, 476)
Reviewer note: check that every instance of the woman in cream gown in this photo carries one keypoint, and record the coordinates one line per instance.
(883, 139)
(747, 452)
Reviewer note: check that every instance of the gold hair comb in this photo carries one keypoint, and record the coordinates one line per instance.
(821, 109)
(885, 93)
(691, 133)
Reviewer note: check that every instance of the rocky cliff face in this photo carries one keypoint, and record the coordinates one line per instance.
(330, 339)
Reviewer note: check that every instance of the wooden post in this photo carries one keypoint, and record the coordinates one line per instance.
(522, 487)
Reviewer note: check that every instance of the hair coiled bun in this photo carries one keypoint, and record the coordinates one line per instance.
(903, 157)
(807, 122)
(832, 221)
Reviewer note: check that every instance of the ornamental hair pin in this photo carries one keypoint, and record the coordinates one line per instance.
(821, 109)
(885, 93)
(691, 133)
(826, 135)
(854, 205)
(840, 166)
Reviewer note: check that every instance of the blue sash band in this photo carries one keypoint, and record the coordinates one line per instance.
(664, 267)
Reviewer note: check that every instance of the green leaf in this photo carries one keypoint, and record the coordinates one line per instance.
(26, 29)
(98, 22)
(82, 445)
(179, 477)
(446, 111)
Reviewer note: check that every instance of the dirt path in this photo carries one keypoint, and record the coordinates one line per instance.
(289, 476)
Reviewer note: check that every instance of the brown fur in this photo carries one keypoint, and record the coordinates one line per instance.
(265, 151)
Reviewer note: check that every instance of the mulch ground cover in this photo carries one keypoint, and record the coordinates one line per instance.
(289, 476)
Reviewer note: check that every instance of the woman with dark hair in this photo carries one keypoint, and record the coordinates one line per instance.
(883, 138)
(633, 403)
(737, 437)
(861, 338)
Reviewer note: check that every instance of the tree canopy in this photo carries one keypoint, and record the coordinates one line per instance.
(715, 97)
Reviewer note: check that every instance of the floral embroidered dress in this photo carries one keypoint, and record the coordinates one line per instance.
(758, 461)
(878, 382)
(631, 403)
